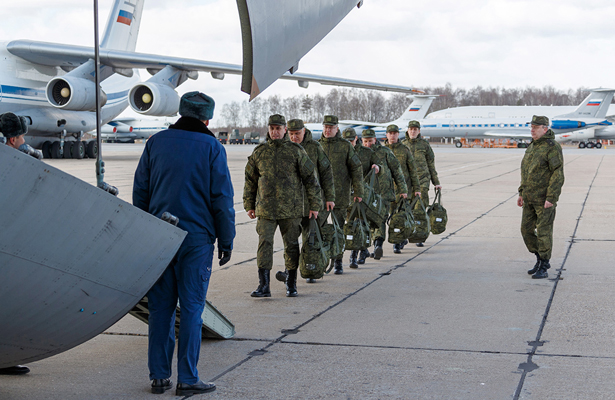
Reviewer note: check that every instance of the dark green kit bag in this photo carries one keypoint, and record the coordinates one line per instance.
(437, 215)
(334, 235)
(421, 219)
(376, 209)
(356, 230)
(313, 259)
(401, 223)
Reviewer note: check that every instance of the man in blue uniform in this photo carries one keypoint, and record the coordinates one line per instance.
(183, 170)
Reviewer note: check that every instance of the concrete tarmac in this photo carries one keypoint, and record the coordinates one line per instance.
(457, 319)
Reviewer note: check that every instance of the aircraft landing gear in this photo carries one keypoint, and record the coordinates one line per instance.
(55, 150)
(458, 144)
(78, 150)
(46, 149)
(91, 149)
(598, 145)
(581, 145)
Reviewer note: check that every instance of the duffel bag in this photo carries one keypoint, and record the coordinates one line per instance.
(437, 214)
(401, 223)
(356, 230)
(421, 220)
(376, 209)
(334, 235)
(313, 259)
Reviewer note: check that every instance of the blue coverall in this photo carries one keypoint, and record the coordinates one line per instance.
(183, 170)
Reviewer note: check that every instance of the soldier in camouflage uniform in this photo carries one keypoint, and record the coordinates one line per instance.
(275, 177)
(346, 171)
(542, 178)
(300, 135)
(404, 155)
(368, 161)
(424, 159)
(390, 177)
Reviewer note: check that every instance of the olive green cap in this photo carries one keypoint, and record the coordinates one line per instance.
(414, 124)
(368, 133)
(277, 119)
(330, 120)
(349, 133)
(295, 125)
(540, 120)
(392, 128)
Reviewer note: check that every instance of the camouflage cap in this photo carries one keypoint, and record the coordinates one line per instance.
(277, 119)
(295, 125)
(349, 133)
(330, 120)
(414, 124)
(540, 120)
(368, 133)
(392, 128)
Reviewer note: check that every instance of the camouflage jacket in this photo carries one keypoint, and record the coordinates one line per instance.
(404, 155)
(367, 157)
(542, 171)
(390, 175)
(275, 176)
(424, 159)
(323, 169)
(346, 168)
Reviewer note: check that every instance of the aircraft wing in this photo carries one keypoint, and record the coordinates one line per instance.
(70, 56)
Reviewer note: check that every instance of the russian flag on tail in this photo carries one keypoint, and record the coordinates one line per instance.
(414, 108)
(594, 102)
(124, 17)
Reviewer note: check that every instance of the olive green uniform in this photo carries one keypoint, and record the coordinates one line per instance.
(367, 157)
(542, 178)
(424, 159)
(275, 177)
(408, 167)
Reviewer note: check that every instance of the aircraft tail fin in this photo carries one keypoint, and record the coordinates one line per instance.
(595, 105)
(416, 110)
(123, 24)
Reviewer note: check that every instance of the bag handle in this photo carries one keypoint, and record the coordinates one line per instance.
(315, 232)
(336, 224)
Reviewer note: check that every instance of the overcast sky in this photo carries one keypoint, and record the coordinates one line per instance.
(505, 43)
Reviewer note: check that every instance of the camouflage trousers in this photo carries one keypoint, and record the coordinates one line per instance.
(537, 229)
(290, 230)
(381, 232)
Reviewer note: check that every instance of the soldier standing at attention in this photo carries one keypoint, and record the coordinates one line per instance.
(390, 177)
(404, 155)
(275, 177)
(298, 134)
(424, 159)
(346, 170)
(542, 178)
(368, 161)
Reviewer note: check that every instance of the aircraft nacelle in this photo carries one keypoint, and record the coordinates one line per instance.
(72, 93)
(567, 124)
(150, 98)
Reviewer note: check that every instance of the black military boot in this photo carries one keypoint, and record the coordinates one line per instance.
(397, 248)
(281, 276)
(542, 270)
(338, 267)
(536, 266)
(363, 254)
(420, 244)
(403, 244)
(378, 248)
(291, 283)
(263, 285)
(353, 259)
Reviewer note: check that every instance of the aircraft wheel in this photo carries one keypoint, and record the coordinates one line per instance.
(47, 149)
(55, 151)
(598, 145)
(78, 150)
(458, 144)
(92, 149)
(68, 147)
(590, 145)
(581, 145)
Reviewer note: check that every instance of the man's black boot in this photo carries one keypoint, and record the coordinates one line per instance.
(281, 276)
(542, 271)
(419, 244)
(363, 254)
(338, 267)
(291, 283)
(403, 244)
(263, 286)
(536, 266)
(160, 386)
(184, 389)
(353, 259)
(14, 370)
(397, 248)
(378, 248)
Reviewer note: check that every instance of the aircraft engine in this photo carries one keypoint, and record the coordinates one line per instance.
(75, 94)
(150, 98)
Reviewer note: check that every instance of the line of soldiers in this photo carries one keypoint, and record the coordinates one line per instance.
(292, 177)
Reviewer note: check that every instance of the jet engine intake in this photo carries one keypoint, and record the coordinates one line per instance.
(75, 94)
(149, 98)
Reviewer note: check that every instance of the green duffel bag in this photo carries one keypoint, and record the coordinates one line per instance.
(334, 235)
(401, 223)
(437, 214)
(356, 230)
(421, 220)
(376, 209)
(313, 260)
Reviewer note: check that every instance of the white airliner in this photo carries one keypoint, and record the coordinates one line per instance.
(128, 129)
(53, 84)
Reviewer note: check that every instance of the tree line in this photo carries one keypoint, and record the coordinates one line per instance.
(374, 106)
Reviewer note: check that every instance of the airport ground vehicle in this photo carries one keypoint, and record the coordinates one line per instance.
(222, 137)
(251, 138)
(235, 137)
